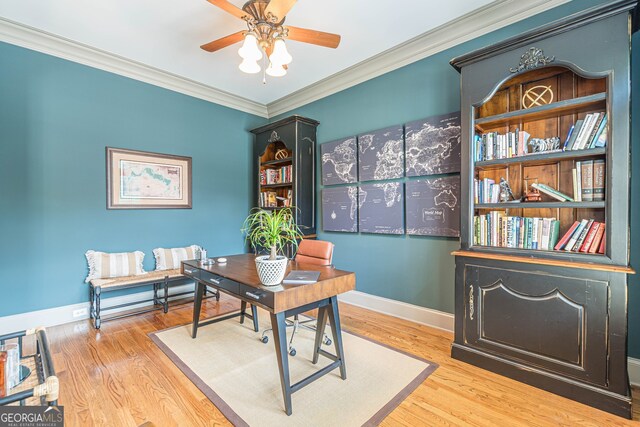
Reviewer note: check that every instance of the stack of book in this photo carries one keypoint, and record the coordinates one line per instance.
(268, 199)
(586, 236)
(485, 191)
(591, 132)
(276, 176)
(589, 180)
(550, 191)
(498, 230)
(492, 145)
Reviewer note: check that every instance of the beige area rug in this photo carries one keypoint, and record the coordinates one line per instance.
(239, 374)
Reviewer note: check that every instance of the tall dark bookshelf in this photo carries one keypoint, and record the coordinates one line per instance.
(554, 319)
(288, 144)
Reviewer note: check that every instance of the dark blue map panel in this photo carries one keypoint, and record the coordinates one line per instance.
(381, 154)
(339, 161)
(381, 208)
(432, 145)
(340, 209)
(433, 207)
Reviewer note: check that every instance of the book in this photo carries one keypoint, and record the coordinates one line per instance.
(546, 232)
(602, 139)
(597, 239)
(586, 167)
(552, 192)
(598, 179)
(601, 128)
(563, 241)
(566, 141)
(572, 140)
(603, 243)
(588, 241)
(554, 234)
(301, 277)
(589, 126)
(583, 235)
(596, 127)
(576, 235)
(578, 195)
(585, 131)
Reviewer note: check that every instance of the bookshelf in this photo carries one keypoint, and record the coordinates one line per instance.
(285, 168)
(529, 304)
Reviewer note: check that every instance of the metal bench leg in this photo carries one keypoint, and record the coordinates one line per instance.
(166, 295)
(90, 301)
(96, 321)
(155, 294)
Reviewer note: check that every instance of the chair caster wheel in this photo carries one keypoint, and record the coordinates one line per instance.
(292, 352)
(327, 341)
(264, 339)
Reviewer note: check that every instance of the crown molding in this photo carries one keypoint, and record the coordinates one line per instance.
(51, 44)
(474, 24)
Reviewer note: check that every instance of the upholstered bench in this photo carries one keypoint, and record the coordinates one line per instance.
(159, 279)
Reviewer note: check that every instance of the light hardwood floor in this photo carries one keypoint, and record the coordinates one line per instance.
(118, 377)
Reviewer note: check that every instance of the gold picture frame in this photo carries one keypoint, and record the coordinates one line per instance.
(145, 180)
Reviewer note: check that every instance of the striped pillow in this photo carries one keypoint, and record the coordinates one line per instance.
(168, 259)
(104, 265)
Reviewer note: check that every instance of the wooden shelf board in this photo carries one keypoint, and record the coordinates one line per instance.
(284, 184)
(276, 162)
(560, 108)
(544, 261)
(541, 205)
(542, 158)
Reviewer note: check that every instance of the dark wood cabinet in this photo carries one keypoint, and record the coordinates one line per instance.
(555, 319)
(284, 154)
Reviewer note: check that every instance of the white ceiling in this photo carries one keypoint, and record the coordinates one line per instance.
(166, 34)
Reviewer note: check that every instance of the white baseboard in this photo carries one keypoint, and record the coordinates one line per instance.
(426, 316)
(436, 319)
(60, 315)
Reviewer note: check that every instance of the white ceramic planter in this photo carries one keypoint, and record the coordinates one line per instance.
(271, 272)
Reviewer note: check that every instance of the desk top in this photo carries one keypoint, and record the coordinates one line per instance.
(242, 269)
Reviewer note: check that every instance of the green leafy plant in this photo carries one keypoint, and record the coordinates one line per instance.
(271, 229)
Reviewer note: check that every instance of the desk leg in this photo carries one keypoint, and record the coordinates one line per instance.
(280, 340)
(254, 314)
(320, 325)
(336, 331)
(197, 305)
(243, 309)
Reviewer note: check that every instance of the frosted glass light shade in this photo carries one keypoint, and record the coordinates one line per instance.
(276, 70)
(250, 50)
(280, 56)
(249, 66)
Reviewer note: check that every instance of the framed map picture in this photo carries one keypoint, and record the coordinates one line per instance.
(433, 206)
(340, 209)
(339, 161)
(432, 145)
(143, 180)
(381, 208)
(381, 154)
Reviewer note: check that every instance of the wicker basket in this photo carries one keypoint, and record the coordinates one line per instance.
(271, 272)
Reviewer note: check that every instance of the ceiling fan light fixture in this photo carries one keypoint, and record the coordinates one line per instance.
(249, 66)
(280, 56)
(250, 51)
(276, 70)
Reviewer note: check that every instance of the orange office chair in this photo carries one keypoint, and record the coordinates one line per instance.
(316, 252)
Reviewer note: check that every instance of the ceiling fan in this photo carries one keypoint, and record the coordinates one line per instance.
(266, 33)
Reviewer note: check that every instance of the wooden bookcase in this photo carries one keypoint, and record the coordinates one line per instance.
(551, 318)
(285, 168)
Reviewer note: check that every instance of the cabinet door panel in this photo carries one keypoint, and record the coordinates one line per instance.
(557, 323)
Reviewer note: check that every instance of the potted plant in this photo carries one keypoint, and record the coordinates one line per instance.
(273, 230)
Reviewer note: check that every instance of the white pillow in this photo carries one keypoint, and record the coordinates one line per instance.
(104, 265)
(168, 259)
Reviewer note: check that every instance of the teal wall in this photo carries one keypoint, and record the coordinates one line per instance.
(419, 270)
(56, 118)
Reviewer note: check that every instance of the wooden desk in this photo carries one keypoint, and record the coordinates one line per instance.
(238, 277)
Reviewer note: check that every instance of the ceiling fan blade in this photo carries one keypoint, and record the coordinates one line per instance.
(228, 7)
(314, 37)
(223, 42)
(279, 8)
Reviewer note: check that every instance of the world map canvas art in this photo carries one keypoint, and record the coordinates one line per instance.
(381, 154)
(381, 208)
(339, 161)
(340, 209)
(433, 207)
(143, 180)
(432, 145)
